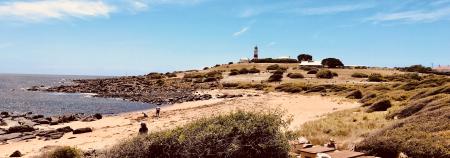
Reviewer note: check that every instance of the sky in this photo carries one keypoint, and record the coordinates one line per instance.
(135, 37)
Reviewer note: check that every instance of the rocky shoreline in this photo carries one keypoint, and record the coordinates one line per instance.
(22, 127)
(139, 89)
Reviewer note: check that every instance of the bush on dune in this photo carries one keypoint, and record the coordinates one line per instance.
(295, 75)
(62, 152)
(375, 77)
(359, 75)
(239, 134)
(324, 74)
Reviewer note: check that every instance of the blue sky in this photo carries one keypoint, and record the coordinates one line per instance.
(129, 37)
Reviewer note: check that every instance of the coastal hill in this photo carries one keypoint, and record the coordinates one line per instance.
(216, 111)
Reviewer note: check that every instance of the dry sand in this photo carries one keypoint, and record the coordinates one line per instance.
(112, 129)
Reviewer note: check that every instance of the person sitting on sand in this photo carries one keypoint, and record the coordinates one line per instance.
(143, 130)
(331, 144)
(158, 109)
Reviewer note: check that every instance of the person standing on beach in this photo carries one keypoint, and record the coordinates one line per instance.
(158, 109)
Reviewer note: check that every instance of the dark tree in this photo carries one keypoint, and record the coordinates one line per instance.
(304, 57)
(332, 62)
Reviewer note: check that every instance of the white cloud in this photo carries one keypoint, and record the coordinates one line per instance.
(332, 9)
(242, 31)
(413, 16)
(54, 9)
(138, 5)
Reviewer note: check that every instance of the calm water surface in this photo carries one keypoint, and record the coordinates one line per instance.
(15, 98)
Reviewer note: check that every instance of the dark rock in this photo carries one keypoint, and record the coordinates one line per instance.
(37, 116)
(45, 133)
(53, 123)
(381, 105)
(4, 114)
(3, 131)
(66, 129)
(6, 137)
(41, 121)
(89, 119)
(82, 130)
(22, 128)
(356, 94)
(98, 116)
(16, 154)
(56, 135)
(26, 137)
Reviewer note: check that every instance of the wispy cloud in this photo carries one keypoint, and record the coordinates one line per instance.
(271, 44)
(54, 9)
(138, 5)
(242, 31)
(413, 16)
(332, 9)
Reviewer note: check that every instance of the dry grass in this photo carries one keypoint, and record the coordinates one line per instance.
(346, 127)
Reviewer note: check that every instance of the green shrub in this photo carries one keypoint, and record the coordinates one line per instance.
(291, 87)
(279, 71)
(205, 68)
(243, 71)
(375, 77)
(254, 70)
(230, 85)
(234, 72)
(155, 75)
(276, 77)
(273, 67)
(230, 63)
(335, 74)
(239, 134)
(194, 75)
(359, 75)
(214, 74)
(332, 62)
(324, 74)
(312, 71)
(63, 152)
(295, 75)
(171, 75)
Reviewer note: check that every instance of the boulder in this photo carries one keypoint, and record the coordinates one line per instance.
(22, 128)
(6, 137)
(356, 94)
(66, 129)
(381, 105)
(89, 119)
(41, 121)
(98, 116)
(56, 135)
(4, 114)
(16, 154)
(82, 130)
(3, 131)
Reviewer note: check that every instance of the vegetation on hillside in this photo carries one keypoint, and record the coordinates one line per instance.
(238, 134)
(304, 57)
(332, 62)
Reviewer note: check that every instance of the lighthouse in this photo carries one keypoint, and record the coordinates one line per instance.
(255, 53)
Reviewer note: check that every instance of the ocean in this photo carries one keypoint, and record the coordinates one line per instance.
(15, 98)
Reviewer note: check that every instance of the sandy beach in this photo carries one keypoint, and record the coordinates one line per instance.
(112, 129)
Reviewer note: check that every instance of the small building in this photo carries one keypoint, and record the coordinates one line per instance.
(283, 57)
(312, 152)
(316, 64)
(244, 60)
(442, 68)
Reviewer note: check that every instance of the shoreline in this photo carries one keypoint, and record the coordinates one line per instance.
(113, 128)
